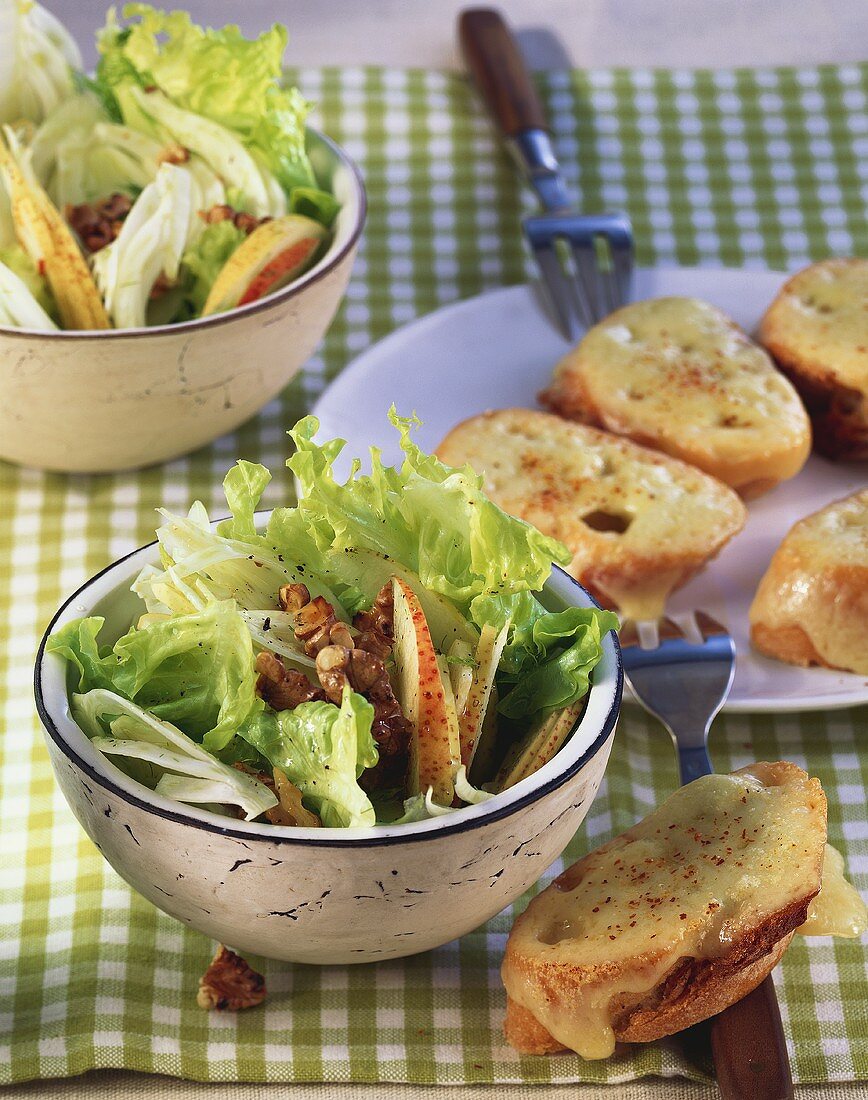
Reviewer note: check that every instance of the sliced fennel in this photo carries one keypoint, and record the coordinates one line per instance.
(218, 147)
(18, 307)
(37, 56)
(150, 244)
(138, 735)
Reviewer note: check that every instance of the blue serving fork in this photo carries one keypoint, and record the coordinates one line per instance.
(682, 676)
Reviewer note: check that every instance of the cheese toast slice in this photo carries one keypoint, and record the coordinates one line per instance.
(677, 918)
(811, 607)
(638, 523)
(679, 375)
(817, 330)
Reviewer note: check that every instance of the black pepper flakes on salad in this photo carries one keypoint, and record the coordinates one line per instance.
(403, 666)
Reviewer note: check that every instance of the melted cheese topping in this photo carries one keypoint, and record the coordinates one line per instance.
(821, 318)
(678, 373)
(838, 909)
(714, 861)
(818, 581)
(637, 522)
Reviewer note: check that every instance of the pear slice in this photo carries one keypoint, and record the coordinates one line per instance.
(48, 241)
(461, 667)
(426, 698)
(488, 654)
(544, 738)
(274, 254)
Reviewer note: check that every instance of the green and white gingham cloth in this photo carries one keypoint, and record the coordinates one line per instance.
(738, 168)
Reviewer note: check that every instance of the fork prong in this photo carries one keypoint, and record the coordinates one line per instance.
(556, 285)
(708, 626)
(622, 263)
(589, 295)
(628, 635)
(668, 629)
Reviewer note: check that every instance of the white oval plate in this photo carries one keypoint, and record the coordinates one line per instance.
(498, 350)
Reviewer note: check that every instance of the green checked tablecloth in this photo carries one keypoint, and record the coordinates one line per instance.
(760, 169)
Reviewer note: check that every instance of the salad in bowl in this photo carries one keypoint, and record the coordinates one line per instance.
(173, 184)
(381, 653)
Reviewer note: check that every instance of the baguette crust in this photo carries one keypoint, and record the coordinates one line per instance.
(811, 607)
(817, 331)
(559, 956)
(638, 523)
(678, 375)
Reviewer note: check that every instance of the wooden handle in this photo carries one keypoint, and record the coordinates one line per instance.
(750, 1054)
(499, 71)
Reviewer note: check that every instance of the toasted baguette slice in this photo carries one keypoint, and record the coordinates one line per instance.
(672, 921)
(817, 330)
(811, 607)
(679, 375)
(638, 523)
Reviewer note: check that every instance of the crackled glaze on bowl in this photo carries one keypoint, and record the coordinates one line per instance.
(114, 400)
(323, 895)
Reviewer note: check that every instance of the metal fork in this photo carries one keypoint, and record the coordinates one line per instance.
(598, 246)
(682, 677)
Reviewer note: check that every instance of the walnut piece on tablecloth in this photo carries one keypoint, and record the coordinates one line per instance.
(230, 983)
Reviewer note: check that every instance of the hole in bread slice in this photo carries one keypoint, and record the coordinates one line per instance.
(615, 523)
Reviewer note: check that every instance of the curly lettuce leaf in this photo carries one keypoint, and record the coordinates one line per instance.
(323, 750)
(313, 203)
(195, 671)
(548, 663)
(218, 74)
(434, 520)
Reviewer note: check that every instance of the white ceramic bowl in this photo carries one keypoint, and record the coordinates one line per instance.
(322, 895)
(114, 400)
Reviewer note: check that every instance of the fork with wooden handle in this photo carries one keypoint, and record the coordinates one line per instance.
(682, 677)
(599, 247)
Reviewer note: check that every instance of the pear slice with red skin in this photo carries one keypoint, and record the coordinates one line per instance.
(544, 738)
(488, 654)
(48, 241)
(426, 699)
(274, 254)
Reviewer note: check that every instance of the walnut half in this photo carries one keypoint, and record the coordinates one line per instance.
(230, 983)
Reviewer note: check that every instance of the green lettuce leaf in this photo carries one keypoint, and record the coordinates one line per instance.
(549, 660)
(204, 259)
(433, 520)
(195, 670)
(218, 74)
(323, 750)
(313, 203)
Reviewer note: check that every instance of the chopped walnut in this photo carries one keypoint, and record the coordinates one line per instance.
(340, 635)
(332, 667)
(391, 730)
(313, 625)
(293, 810)
(281, 687)
(98, 223)
(380, 616)
(222, 212)
(372, 641)
(173, 153)
(230, 983)
(290, 810)
(293, 597)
